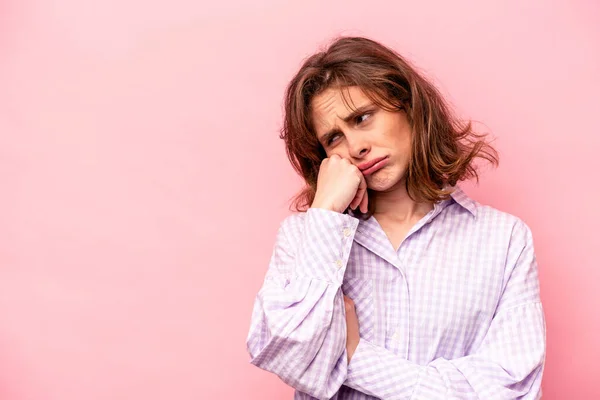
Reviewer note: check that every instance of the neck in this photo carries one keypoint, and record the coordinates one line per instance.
(396, 205)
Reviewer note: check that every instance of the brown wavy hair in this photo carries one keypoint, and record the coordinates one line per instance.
(443, 148)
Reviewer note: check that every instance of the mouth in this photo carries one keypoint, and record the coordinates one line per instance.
(372, 166)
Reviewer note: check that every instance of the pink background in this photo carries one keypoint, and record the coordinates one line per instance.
(143, 180)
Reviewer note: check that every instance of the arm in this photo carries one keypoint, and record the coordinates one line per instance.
(507, 365)
(298, 328)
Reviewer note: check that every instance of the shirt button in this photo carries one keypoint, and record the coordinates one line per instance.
(339, 263)
(347, 232)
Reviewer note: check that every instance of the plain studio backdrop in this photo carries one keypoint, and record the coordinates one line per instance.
(143, 179)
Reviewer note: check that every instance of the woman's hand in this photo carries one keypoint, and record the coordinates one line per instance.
(352, 337)
(340, 185)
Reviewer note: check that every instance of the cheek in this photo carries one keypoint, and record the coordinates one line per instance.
(404, 138)
(338, 151)
(399, 139)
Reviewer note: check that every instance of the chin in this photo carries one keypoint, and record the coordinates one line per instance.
(386, 180)
(383, 181)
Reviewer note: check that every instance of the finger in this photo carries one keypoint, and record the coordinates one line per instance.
(349, 307)
(361, 193)
(348, 300)
(364, 204)
(355, 201)
(358, 195)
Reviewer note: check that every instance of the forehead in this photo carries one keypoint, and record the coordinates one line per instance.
(333, 104)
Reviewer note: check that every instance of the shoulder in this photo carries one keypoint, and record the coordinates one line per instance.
(485, 217)
(496, 222)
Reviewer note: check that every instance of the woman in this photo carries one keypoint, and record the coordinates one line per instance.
(390, 282)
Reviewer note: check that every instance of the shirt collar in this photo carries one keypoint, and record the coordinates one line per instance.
(371, 235)
(463, 200)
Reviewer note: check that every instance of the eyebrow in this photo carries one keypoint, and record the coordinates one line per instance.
(359, 111)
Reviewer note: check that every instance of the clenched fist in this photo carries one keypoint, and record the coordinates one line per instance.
(340, 184)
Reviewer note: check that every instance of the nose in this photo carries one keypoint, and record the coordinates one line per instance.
(358, 146)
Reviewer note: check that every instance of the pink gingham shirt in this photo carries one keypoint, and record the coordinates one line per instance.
(455, 313)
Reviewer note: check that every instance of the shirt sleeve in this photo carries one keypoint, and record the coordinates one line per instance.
(507, 365)
(298, 326)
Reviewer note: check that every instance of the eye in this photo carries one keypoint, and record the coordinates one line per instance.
(332, 138)
(362, 118)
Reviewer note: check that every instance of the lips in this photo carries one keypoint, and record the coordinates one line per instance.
(369, 164)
